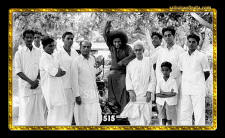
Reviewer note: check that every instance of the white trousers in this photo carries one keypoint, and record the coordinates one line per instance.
(192, 104)
(32, 110)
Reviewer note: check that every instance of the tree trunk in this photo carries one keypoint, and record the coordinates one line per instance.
(201, 21)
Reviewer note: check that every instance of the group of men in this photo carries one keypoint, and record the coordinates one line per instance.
(57, 85)
(171, 76)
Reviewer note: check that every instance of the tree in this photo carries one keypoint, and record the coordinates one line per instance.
(89, 25)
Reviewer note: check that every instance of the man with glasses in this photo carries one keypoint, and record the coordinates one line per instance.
(140, 83)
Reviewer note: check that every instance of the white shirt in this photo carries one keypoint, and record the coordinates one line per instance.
(140, 76)
(27, 61)
(193, 67)
(167, 86)
(83, 75)
(52, 86)
(20, 47)
(171, 55)
(154, 54)
(40, 47)
(65, 61)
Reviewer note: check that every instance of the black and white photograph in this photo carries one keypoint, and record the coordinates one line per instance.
(107, 67)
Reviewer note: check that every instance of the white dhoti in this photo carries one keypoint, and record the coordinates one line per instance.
(57, 112)
(56, 102)
(70, 105)
(31, 109)
(139, 113)
(57, 116)
(190, 104)
(89, 113)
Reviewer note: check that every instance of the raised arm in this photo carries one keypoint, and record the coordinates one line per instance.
(150, 46)
(106, 33)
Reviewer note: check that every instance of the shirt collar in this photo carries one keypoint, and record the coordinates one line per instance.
(82, 57)
(168, 78)
(194, 53)
(40, 47)
(140, 60)
(48, 55)
(27, 49)
(63, 50)
(173, 47)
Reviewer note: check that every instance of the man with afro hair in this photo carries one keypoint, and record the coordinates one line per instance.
(121, 54)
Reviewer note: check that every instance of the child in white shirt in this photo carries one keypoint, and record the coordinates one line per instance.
(166, 96)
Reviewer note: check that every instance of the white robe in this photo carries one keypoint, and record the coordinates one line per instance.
(53, 90)
(84, 85)
(140, 78)
(65, 61)
(31, 103)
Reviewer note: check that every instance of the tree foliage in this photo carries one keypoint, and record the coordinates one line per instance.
(89, 25)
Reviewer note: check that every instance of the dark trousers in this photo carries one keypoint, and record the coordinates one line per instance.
(117, 89)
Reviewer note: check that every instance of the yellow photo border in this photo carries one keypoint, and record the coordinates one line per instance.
(171, 9)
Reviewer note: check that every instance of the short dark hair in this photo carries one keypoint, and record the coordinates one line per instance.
(196, 37)
(166, 64)
(37, 32)
(156, 33)
(28, 32)
(66, 33)
(46, 40)
(169, 28)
